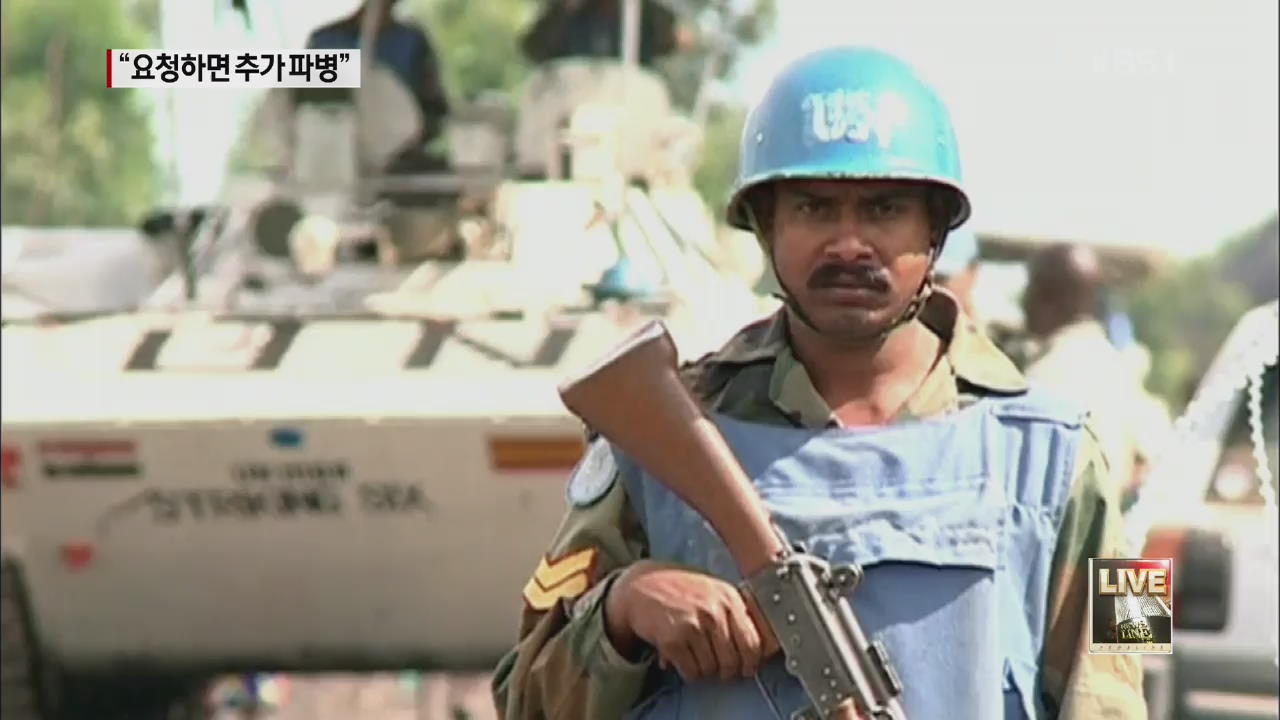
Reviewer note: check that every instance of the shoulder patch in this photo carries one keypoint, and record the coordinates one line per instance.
(565, 577)
(594, 476)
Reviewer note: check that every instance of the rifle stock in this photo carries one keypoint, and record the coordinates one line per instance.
(636, 399)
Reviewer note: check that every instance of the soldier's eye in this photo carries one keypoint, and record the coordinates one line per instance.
(808, 207)
(884, 208)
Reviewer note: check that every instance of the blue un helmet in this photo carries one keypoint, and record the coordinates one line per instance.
(850, 113)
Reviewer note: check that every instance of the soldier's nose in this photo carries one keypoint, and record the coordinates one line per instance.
(847, 247)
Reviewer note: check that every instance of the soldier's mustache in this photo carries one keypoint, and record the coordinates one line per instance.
(854, 276)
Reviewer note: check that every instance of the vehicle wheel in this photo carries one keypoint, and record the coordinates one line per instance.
(32, 688)
(131, 700)
(19, 674)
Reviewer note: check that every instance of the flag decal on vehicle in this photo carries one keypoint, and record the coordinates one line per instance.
(11, 467)
(536, 453)
(90, 458)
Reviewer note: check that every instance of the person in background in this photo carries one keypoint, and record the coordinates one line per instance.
(402, 47)
(1076, 358)
(593, 28)
(1153, 421)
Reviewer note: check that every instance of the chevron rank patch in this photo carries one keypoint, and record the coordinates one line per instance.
(566, 577)
(593, 477)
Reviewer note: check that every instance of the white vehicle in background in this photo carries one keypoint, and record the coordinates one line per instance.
(1207, 508)
(331, 439)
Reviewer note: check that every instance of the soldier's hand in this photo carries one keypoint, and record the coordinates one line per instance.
(699, 624)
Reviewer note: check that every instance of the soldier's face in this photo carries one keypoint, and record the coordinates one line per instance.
(851, 253)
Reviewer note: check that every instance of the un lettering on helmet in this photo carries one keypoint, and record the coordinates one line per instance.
(852, 113)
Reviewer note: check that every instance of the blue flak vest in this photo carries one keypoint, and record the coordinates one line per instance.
(954, 521)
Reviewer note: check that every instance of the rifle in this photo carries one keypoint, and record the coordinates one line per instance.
(634, 397)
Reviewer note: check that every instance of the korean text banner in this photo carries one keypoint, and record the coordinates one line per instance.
(239, 68)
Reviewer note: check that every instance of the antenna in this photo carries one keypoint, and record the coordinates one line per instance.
(370, 27)
(631, 16)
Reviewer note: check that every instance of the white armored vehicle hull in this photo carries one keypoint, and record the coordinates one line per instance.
(309, 514)
(331, 439)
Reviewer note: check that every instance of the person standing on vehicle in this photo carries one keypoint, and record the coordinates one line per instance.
(405, 49)
(1076, 358)
(593, 28)
(971, 501)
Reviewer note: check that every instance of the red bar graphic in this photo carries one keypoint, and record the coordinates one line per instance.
(108, 68)
(10, 466)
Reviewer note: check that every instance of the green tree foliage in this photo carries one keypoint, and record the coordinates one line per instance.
(1184, 315)
(75, 153)
(715, 176)
(478, 42)
(685, 71)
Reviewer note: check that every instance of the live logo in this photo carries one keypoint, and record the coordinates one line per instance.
(1133, 581)
(1131, 605)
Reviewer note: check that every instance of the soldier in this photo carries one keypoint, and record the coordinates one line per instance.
(593, 28)
(404, 48)
(904, 442)
(1061, 304)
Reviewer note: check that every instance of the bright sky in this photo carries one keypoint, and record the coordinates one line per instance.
(1146, 122)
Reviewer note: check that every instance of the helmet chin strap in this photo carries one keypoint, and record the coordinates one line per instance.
(911, 312)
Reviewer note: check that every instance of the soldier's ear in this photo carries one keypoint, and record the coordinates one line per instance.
(761, 206)
(941, 206)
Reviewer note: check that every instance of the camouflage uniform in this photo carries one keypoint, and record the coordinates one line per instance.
(564, 665)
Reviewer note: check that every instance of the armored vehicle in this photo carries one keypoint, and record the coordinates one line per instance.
(331, 439)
